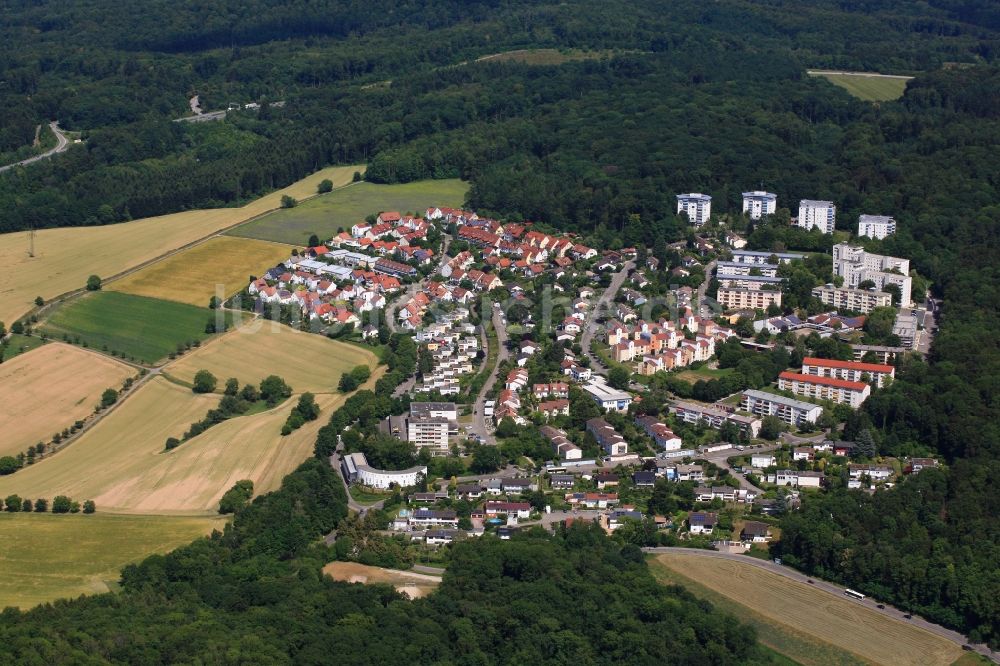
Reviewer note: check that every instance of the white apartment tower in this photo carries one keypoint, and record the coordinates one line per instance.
(821, 214)
(856, 265)
(697, 206)
(758, 204)
(876, 226)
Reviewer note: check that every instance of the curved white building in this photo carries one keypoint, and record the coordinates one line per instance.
(356, 469)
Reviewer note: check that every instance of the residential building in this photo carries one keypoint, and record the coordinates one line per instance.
(434, 518)
(440, 537)
(734, 298)
(446, 410)
(757, 204)
(607, 437)
(840, 391)
(796, 479)
(740, 268)
(853, 371)
(819, 214)
(714, 417)
(355, 469)
(917, 464)
(755, 532)
(565, 449)
(661, 434)
(702, 522)
(856, 266)
(607, 397)
(876, 226)
(791, 411)
(562, 481)
(905, 328)
(749, 281)
(803, 453)
(763, 257)
(762, 460)
(430, 432)
(689, 472)
(522, 510)
(874, 472)
(697, 206)
(854, 300)
(882, 354)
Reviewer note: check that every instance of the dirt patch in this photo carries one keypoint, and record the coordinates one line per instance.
(413, 585)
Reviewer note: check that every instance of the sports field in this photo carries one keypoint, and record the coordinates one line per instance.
(146, 329)
(806, 624)
(121, 464)
(47, 389)
(341, 209)
(218, 267)
(306, 361)
(45, 557)
(65, 257)
(866, 86)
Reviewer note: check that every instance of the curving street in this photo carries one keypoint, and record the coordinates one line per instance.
(62, 144)
(617, 280)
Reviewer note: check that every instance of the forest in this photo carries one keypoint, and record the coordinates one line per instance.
(679, 96)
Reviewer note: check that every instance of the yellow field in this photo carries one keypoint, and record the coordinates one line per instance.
(308, 362)
(122, 466)
(414, 585)
(808, 614)
(45, 557)
(65, 257)
(46, 389)
(219, 266)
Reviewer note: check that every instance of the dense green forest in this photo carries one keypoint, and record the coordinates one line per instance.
(684, 96)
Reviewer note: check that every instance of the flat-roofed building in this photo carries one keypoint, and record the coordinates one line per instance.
(356, 469)
(697, 206)
(757, 204)
(821, 215)
(876, 226)
(740, 268)
(608, 397)
(856, 266)
(791, 411)
(854, 300)
(765, 257)
(840, 391)
(736, 298)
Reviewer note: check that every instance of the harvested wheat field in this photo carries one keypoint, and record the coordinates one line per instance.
(121, 463)
(306, 361)
(46, 389)
(64, 257)
(218, 267)
(45, 557)
(813, 614)
(413, 585)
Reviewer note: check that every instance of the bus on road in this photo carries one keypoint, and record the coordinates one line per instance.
(853, 593)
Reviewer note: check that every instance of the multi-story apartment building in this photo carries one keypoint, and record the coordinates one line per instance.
(852, 371)
(791, 411)
(714, 417)
(740, 268)
(760, 257)
(856, 266)
(697, 206)
(876, 226)
(819, 214)
(748, 281)
(607, 437)
(737, 298)
(757, 204)
(854, 300)
(840, 391)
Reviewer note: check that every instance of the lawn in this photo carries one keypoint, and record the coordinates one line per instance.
(18, 344)
(867, 88)
(218, 267)
(307, 361)
(121, 463)
(48, 389)
(65, 257)
(703, 373)
(367, 497)
(545, 56)
(141, 328)
(806, 624)
(45, 557)
(339, 210)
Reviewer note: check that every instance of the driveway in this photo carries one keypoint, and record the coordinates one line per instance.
(837, 590)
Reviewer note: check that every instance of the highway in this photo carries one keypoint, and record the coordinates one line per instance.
(62, 143)
(837, 590)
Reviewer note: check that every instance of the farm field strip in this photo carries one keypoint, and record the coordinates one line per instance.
(219, 266)
(64, 257)
(805, 611)
(306, 361)
(147, 329)
(46, 389)
(68, 555)
(324, 215)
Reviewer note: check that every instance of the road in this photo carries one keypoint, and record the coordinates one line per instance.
(866, 75)
(62, 143)
(202, 117)
(704, 311)
(930, 326)
(505, 473)
(352, 504)
(721, 458)
(478, 418)
(617, 280)
(836, 590)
